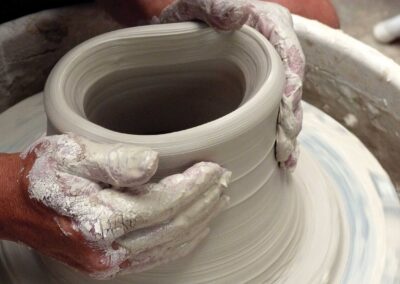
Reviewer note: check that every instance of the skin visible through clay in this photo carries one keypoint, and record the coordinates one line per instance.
(65, 177)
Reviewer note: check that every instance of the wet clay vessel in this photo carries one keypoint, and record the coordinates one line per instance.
(211, 96)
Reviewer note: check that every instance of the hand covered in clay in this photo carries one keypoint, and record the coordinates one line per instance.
(275, 23)
(90, 205)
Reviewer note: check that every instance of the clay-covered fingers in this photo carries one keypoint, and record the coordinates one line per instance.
(164, 220)
(220, 14)
(275, 23)
(155, 203)
(167, 252)
(120, 165)
(196, 217)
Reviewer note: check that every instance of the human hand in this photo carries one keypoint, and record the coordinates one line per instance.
(271, 20)
(275, 23)
(88, 205)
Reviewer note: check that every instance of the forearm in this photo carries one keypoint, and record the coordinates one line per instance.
(320, 10)
(10, 193)
(136, 12)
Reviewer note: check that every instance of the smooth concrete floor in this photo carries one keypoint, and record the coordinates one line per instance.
(358, 17)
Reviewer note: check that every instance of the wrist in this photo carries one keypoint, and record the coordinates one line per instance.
(10, 192)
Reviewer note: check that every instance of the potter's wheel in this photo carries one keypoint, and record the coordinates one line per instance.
(352, 238)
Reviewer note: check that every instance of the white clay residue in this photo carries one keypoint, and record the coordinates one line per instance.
(64, 177)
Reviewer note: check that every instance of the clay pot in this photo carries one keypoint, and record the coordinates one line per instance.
(184, 90)
(191, 94)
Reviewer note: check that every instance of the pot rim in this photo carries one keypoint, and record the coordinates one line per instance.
(64, 118)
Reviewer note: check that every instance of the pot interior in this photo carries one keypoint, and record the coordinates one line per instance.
(164, 99)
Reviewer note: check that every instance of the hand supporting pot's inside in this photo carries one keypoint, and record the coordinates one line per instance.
(90, 205)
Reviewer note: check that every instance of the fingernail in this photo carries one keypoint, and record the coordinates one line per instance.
(225, 178)
(149, 161)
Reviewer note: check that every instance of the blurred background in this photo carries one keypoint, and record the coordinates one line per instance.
(358, 17)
